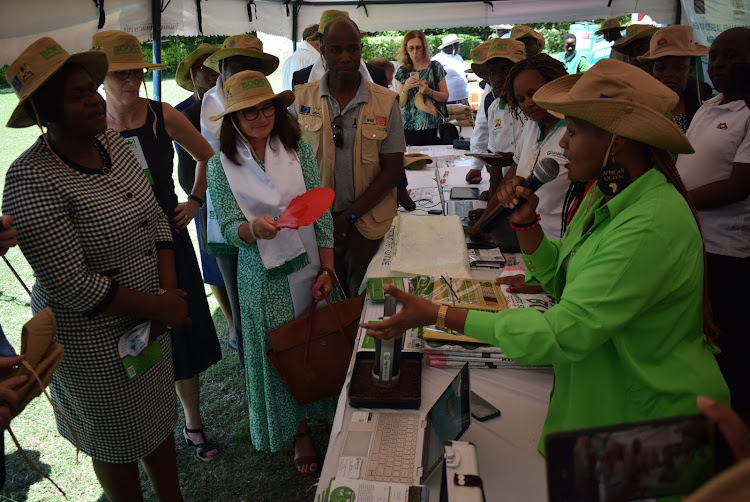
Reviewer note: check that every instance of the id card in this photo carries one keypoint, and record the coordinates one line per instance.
(135, 146)
(136, 366)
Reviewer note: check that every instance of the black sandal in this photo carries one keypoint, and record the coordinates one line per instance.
(201, 449)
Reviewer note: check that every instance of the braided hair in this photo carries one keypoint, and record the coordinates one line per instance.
(549, 67)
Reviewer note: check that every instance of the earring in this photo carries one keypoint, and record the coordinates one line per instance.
(613, 178)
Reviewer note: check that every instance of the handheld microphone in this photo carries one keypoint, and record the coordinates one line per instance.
(545, 171)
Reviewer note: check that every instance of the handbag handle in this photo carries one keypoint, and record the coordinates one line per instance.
(339, 322)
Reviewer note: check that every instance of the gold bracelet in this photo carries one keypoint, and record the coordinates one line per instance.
(162, 291)
(442, 312)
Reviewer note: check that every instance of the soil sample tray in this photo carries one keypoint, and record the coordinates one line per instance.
(407, 394)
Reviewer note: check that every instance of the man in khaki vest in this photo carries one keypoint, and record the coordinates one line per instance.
(354, 127)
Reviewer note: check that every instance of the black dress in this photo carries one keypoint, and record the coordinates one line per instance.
(196, 347)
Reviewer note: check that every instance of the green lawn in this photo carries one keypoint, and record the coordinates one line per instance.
(240, 473)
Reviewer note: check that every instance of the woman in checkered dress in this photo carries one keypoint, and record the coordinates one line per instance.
(100, 248)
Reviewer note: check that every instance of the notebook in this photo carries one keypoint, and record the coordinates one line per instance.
(405, 447)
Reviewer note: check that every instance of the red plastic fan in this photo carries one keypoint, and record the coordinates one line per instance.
(306, 208)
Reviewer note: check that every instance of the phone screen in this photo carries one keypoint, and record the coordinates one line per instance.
(632, 461)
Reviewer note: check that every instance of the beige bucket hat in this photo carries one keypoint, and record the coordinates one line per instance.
(634, 32)
(478, 55)
(674, 40)
(123, 51)
(37, 64)
(182, 77)
(248, 88)
(609, 24)
(521, 31)
(619, 98)
(326, 17)
(507, 48)
(450, 40)
(244, 45)
(416, 161)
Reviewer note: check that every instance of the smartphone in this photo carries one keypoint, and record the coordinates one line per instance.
(464, 193)
(414, 74)
(481, 409)
(641, 460)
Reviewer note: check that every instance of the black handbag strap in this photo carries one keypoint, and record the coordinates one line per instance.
(438, 104)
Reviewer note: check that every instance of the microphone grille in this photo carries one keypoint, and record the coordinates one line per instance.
(547, 169)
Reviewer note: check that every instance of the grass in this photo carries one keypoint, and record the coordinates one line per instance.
(239, 474)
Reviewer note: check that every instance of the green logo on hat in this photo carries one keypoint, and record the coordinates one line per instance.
(127, 49)
(252, 84)
(52, 51)
(498, 47)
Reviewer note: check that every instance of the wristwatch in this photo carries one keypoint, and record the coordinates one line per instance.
(351, 217)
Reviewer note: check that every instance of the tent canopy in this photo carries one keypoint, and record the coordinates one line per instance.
(72, 22)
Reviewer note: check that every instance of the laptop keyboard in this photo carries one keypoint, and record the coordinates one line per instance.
(393, 448)
(462, 207)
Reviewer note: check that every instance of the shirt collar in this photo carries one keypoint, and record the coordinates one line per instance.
(735, 106)
(363, 91)
(572, 55)
(540, 125)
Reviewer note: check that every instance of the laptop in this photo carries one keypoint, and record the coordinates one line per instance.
(405, 447)
(460, 208)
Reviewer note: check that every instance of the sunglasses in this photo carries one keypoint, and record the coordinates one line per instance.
(338, 133)
(252, 113)
(125, 74)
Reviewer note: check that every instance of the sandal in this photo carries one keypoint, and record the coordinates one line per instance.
(201, 449)
(307, 460)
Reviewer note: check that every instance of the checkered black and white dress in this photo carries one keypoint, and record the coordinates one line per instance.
(84, 233)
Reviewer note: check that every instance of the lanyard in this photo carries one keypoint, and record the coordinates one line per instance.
(540, 144)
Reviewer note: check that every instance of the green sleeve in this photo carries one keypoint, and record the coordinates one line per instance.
(583, 64)
(228, 212)
(625, 275)
(323, 225)
(541, 266)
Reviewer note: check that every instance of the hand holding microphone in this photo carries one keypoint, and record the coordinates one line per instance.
(517, 200)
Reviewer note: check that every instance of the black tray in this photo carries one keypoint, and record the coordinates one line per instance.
(406, 395)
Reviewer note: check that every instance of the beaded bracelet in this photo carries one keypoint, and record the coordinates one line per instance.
(528, 226)
(196, 199)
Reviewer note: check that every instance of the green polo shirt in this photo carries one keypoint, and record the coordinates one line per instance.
(625, 336)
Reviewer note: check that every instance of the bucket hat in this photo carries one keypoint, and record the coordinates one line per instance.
(244, 45)
(450, 40)
(326, 17)
(416, 161)
(521, 31)
(609, 24)
(37, 64)
(619, 98)
(248, 88)
(123, 51)
(182, 77)
(632, 33)
(674, 40)
(508, 48)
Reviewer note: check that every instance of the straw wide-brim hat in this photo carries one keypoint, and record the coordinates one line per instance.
(244, 45)
(619, 98)
(182, 77)
(123, 51)
(675, 40)
(609, 24)
(632, 33)
(450, 40)
(326, 17)
(521, 31)
(508, 48)
(416, 161)
(248, 88)
(37, 64)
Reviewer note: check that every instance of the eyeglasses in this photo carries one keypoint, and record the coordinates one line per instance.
(205, 68)
(125, 74)
(252, 113)
(338, 133)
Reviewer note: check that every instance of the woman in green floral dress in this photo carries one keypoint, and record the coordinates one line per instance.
(419, 81)
(262, 166)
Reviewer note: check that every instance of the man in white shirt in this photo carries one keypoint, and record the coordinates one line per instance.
(455, 69)
(307, 53)
(717, 177)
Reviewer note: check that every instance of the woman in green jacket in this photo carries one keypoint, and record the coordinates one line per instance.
(630, 334)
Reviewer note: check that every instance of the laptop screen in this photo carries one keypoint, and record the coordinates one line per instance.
(443, 205)
(447, 420)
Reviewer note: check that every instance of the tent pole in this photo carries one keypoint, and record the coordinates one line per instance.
(295, 26)
(156, 33)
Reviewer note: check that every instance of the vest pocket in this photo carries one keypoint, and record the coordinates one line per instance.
(372, 136)
(311, 127)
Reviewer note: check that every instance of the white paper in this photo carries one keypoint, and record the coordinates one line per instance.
(350, 467)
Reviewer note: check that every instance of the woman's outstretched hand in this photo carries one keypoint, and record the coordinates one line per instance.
(415, 312)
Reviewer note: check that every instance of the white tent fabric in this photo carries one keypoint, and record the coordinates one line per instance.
(72, 22)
